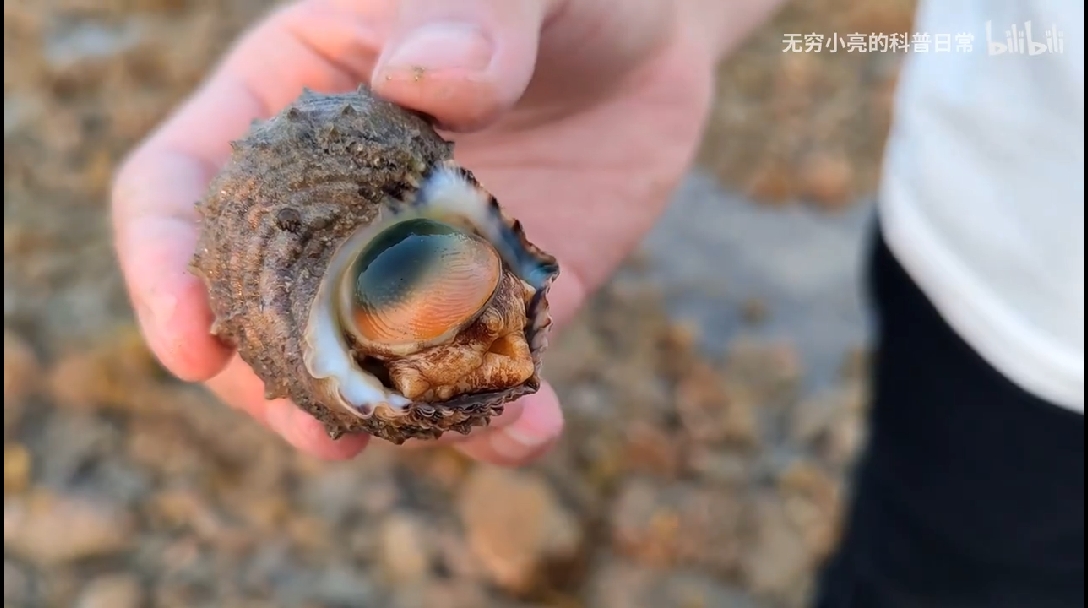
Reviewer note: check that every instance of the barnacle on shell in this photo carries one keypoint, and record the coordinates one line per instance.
(364, 275)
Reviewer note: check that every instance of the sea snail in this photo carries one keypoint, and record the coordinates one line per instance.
(364, 275)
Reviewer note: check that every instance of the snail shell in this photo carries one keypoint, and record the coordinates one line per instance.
(366, 277)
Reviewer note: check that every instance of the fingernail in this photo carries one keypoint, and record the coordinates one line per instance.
(516, 444)
(442, 46)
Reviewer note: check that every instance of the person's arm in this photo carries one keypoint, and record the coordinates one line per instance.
(723, 25)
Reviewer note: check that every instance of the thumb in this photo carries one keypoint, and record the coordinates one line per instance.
(463, 63)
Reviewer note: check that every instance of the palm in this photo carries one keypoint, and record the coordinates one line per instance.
(587, 180)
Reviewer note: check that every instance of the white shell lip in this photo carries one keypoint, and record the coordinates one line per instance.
(446, 191)
(328, 356)
(445, 194)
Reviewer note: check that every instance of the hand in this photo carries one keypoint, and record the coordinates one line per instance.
(579, 116)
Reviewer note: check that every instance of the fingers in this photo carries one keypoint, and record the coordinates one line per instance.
(464, 63)
(155, 190)
(306, 434)
(485, 54)
(326, 46)
(240, 387)
(154, 247)
(526, 438)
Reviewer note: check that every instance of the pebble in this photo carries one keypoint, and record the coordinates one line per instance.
(832, 422)
(771, 369)
(50, 529)
(517, 526)
(652, 450)
(119, 373)
(191, 511)
(112, 591)
(342, 585)
(21, 376)
(626, 585)
(720, 467)
(85, 50)
(813, 500)
(775, 560)
(17, 461)
(404, 550)
(827, 180)
(16, 584)
(445, 594)
(711, 413)
(677, 523)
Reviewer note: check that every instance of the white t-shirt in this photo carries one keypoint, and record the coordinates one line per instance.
(983, 191)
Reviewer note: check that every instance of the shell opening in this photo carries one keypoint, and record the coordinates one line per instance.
(415, 276)
(328, 356)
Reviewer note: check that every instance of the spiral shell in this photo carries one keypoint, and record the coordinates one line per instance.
(364, 275)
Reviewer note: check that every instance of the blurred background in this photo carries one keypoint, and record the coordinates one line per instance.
(713, 390)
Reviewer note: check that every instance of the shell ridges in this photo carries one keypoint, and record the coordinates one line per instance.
(296, 189)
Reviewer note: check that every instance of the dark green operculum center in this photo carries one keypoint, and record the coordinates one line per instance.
(420, 279)
(398, 258)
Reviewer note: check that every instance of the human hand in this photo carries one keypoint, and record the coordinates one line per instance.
(579, 116)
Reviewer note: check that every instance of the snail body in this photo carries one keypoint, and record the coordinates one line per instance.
(367, 277)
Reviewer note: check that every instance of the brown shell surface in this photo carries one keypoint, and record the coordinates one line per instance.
(295, 187)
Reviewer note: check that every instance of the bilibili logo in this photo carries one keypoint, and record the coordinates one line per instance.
(1019, 39)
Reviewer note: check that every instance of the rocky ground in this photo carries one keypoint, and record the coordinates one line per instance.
(712, 415)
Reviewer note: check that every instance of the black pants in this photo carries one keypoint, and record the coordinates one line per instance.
(971, 491)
